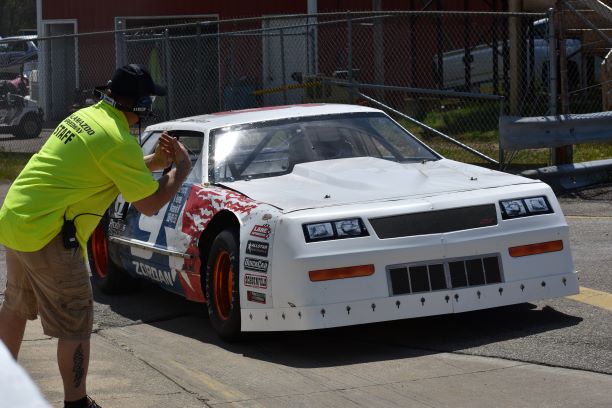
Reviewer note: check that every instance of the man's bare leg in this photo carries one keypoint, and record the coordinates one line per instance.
(73, 362)
(12, 327)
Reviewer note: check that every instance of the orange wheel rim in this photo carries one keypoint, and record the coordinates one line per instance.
(99, 251)
(222, 283)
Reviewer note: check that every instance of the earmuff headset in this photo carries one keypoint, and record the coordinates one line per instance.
(142, 107)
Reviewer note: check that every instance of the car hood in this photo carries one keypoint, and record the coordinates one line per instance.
(367, 179)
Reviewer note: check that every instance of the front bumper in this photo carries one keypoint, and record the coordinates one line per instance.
(409, 306)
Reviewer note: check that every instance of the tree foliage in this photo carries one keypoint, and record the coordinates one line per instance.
(16, 15)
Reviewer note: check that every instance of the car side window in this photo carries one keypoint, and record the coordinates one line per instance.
(192, 141)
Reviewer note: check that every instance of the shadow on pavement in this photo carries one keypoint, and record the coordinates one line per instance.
(348, 345)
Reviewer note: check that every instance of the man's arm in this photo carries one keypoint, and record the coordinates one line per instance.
(169, 184)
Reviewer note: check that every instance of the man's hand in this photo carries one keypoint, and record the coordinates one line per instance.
(164, 153)
(181, 158)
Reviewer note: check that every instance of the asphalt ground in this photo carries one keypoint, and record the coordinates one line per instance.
(153, 349)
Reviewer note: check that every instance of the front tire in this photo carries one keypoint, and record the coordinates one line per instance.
(222, 285)
(108, 276)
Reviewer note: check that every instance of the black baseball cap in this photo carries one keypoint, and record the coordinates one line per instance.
(134, 81)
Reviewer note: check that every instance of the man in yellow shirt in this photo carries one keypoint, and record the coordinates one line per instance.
(88, 159)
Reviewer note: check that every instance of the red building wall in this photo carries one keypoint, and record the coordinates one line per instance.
(97, 54)
(99, 16)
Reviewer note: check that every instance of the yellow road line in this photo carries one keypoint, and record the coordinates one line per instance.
(589, 217)
(594, 298)
(215, 388)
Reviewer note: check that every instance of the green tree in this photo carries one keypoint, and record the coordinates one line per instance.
(16, 15)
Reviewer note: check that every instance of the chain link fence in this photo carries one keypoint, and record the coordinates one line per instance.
(453, 72)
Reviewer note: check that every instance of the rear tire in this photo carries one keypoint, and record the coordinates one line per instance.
(108, 276)
(29, 127)
(222, 285)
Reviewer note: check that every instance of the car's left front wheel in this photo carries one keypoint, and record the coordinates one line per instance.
(222, 285)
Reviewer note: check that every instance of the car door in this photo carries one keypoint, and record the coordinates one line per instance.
(148, 247)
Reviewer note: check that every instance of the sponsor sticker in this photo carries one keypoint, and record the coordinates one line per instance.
(259, 265)
(256, 296)
(158, 275)
(261, 231)
(116, 227)
(174, 207)
(256, 281)
(258, 248)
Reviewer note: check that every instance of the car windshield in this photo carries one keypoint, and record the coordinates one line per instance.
(273, 148)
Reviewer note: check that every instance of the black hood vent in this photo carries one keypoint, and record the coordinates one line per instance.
(435, 222)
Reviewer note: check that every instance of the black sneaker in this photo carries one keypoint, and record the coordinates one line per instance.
(91, 403)
(85, 402)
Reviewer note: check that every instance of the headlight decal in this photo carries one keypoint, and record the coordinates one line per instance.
(524, 207)
(335, 229)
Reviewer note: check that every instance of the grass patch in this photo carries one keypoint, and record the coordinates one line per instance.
(469, 118)
(592, 151)
(11, 164)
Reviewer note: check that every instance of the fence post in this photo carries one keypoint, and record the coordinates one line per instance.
(467, 55)
(283, 68)
(168, 70)
(495, 51)
(199, 72)
(121, 46)
(515, 51)
(378, 43)
(412, 47)
(502, 152)
(349, 39)
(552, 64)
(563, 154)
(439, 51)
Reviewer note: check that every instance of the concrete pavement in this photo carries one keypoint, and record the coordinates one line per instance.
(146, 365)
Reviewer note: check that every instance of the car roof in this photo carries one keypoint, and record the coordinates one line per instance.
(237, 117)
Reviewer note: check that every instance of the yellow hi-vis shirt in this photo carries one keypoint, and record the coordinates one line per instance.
(88, 159)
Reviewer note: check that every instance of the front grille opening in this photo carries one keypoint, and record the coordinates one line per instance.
(492, 272)
(399, 281)
(419, 281)
(475, 273)
(457, 274)
(438, 275)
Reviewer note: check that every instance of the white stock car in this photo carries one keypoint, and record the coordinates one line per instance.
(313, 216)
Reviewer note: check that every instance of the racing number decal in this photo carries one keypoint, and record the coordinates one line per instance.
(150, 227)
(160, 229)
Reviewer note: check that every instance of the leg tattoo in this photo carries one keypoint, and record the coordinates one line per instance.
(77, 367)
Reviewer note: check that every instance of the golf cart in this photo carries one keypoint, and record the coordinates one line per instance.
(19, 114)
